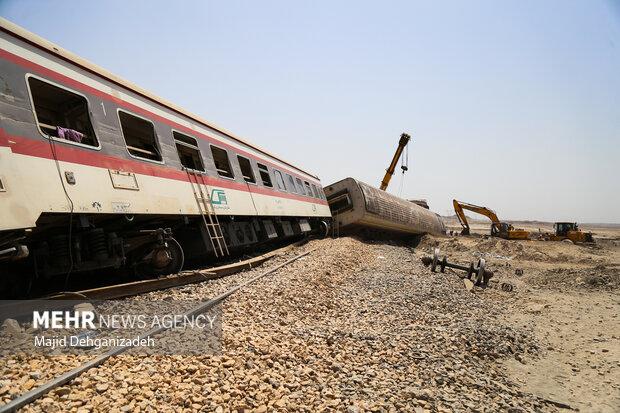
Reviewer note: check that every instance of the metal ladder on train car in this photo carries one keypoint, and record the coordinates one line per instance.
(207, 212)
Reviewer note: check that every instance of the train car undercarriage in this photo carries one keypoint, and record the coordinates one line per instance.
(139, 245)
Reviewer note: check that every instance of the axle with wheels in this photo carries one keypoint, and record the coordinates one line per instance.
(478, 274)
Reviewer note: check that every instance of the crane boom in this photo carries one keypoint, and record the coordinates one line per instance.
(404, 140)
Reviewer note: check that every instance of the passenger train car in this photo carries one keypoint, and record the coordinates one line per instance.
(96, 172)
(357, 205)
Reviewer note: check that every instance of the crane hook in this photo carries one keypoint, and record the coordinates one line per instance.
(405, 160)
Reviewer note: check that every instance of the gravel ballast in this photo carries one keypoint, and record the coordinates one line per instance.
(354, 326)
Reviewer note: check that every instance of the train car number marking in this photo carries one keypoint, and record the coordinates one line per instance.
(121, 207)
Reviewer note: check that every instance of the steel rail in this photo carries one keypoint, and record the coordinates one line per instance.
(23, 308)
(35, 393)
(178, 280)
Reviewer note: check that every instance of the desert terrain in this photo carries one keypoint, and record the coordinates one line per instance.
(569, 296)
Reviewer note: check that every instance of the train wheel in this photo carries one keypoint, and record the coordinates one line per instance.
(323, 229)
(162, 260)
(168, 259)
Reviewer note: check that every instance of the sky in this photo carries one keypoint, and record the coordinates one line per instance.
(514, 105)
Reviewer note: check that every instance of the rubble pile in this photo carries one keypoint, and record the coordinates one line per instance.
(598, 277)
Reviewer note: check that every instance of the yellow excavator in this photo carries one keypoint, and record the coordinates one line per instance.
(403, 141)
(498, 228)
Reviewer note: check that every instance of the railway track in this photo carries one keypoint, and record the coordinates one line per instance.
(141, 287)
(22, 308)
(177, 280)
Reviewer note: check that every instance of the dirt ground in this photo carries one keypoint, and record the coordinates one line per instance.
(569, 296)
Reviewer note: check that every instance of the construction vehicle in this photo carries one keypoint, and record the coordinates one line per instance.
(570, 231)
(498, 228)
(402, 143)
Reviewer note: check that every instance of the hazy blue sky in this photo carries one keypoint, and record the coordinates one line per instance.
(511, 104)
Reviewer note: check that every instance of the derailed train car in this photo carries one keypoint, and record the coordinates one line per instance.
(356, 205)
(96, 172)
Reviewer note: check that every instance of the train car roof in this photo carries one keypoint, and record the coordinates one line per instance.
(38, 41)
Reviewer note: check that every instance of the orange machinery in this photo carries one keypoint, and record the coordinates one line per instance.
(498, 228)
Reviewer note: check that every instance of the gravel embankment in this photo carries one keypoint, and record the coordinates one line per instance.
(352, 327)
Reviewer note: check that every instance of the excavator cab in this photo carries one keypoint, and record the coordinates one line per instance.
(507, 231)
(501, 229)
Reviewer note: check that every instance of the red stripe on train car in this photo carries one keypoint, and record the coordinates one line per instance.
(64, 153)
(75, 84)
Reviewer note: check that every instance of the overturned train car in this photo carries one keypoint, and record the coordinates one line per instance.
(356, 205)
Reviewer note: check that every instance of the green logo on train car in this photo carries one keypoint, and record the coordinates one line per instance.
(218, 197)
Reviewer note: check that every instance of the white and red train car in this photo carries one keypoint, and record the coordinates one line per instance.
(96, 172)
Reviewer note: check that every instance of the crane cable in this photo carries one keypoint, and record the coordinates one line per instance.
(404, 166)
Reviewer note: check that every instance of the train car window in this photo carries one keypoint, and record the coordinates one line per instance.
(222, 164)
(62, 114)
(279, 180)
(140, 137)
(300, 186)
(189, 153)
(340, 203)
(315, 191)
(264, 175)
(246, 169)
(291, 183)
(308, 190)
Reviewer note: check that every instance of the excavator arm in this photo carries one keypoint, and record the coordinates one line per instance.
(404, 140)
(460, 206)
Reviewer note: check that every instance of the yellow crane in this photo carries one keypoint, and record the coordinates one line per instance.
(498, 228)
(403, 141)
